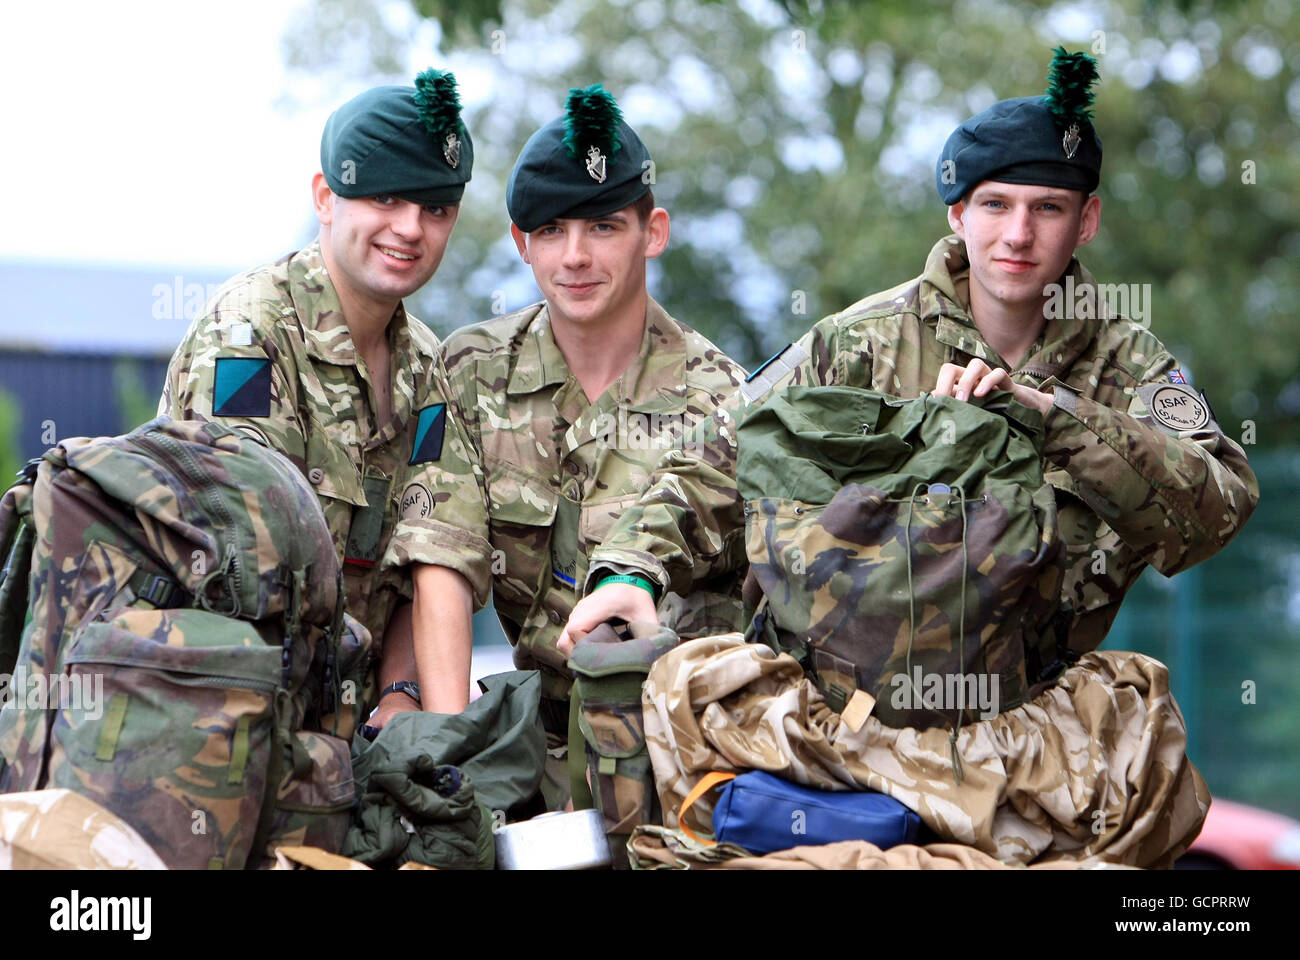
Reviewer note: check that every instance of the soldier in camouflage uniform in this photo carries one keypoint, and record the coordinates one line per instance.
(1143, 474)
(316, 356)
(569, 403)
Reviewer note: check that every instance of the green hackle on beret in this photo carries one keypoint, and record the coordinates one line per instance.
(407, 141)
(591, 116)
(583, 165)
(1047, 140)
(437, 102)
(1069, 87)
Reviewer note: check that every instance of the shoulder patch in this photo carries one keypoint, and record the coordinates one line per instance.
(430, 426)
(417, 502)
(1176, 407)
(241, 334)
(758, 383)
(241, 387)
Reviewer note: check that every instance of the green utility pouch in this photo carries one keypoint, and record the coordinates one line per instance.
(606, 731)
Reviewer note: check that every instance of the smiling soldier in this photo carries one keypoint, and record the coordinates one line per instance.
(316, 356)
(569, 404)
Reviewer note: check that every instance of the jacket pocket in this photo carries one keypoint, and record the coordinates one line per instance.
(599, 518)
(521, 513)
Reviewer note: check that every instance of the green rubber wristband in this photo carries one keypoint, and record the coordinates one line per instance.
(641, 582)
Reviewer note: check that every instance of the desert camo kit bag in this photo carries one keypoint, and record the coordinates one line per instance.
(187, 663)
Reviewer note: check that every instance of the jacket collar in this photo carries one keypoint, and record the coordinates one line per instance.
(644, 387)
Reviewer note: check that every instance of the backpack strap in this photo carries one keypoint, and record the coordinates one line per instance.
(17, 540)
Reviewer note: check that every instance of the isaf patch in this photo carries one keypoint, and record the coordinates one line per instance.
(241, 387)
(417, 502)
(1176, 407)
(758, 383)
(430, 426)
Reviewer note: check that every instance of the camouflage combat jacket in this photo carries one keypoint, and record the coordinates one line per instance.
(1131, 489)
(273, 357)
(558, 469)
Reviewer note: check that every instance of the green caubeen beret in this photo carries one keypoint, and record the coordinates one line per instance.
(585, 164)
(406, 141)
(1046, 141)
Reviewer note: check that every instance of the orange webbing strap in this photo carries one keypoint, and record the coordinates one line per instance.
(707, 783)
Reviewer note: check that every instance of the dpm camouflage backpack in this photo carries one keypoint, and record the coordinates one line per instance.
(906, 549)
(187, 663)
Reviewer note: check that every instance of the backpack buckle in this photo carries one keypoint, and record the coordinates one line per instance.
(157, 590)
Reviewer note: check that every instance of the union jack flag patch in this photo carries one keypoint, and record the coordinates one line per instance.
(1176, 376)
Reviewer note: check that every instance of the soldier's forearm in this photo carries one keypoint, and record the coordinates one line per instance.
(443, 637)
(1177, 500)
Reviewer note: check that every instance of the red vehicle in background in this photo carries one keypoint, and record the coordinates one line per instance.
(1238, 837)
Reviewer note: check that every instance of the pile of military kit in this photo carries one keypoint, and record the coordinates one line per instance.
(913, 681)
(188, 570)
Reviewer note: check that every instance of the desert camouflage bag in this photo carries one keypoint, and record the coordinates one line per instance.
(907, 549)
(188, 664)
(606, 732)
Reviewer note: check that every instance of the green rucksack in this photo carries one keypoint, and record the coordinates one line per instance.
(907, 549)
(187, 663)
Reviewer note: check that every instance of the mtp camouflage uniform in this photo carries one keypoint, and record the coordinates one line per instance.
(558, 470)
(273, 358)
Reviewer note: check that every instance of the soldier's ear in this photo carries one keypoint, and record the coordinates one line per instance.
(658, 228)
(323, 197)
(1089, 219)
(521, 243)
(954, 218)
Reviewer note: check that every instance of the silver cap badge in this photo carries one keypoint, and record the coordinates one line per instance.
(451, 150)
(1070, 142)
(596, 164)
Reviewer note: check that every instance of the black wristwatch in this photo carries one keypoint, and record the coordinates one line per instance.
(408, 687)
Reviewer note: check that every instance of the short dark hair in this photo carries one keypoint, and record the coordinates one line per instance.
(644, 206)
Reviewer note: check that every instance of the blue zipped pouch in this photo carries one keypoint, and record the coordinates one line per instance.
(763, 813)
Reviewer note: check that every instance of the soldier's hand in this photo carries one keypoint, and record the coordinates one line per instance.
(977, 378)
(614, 601)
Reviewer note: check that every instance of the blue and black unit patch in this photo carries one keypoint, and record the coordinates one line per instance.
(242, 387)
(429, 428)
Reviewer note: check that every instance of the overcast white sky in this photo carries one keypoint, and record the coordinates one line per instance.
(146, 132)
